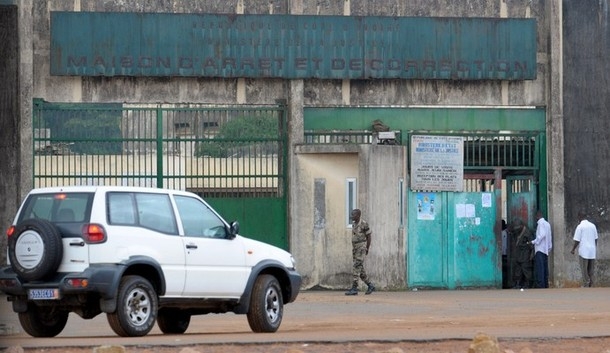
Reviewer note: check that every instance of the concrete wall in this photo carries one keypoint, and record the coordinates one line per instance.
(315, 92)
(586, 104)
(321, 239)
(320, 231)
(384, 201)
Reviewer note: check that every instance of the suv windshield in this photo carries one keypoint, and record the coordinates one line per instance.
(58, 207)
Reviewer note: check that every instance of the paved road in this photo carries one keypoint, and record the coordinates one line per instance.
(330, 316)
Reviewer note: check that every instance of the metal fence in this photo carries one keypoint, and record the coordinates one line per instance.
(482, 150)
(216, 151)
(352, 136)
(509, 151)
(515, 153)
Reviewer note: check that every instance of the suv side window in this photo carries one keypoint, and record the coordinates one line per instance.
(153, 211)
(198, 220)
(121, 209)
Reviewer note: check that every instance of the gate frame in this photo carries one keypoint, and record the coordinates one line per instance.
(495, 172)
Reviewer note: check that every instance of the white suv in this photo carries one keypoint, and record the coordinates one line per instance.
(141, 256)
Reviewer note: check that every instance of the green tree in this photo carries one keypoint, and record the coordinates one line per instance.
(246, 135)
(84, 128)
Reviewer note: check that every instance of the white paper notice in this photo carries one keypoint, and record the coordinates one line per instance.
(460, 210)
(470, 212)
(486, 199)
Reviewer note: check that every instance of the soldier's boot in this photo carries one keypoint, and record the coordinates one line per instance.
(371, 288)
(352, 291)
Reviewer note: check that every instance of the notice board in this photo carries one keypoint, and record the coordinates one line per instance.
(437, 163)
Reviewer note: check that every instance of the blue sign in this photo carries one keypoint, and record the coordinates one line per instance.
(292, 46)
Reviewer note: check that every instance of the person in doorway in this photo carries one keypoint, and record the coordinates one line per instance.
(361, 242)
(543, 243)
(505, 273)
(523, 268)
(585, 239)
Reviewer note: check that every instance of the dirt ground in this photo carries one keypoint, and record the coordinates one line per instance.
(534, 321)
(583, 345)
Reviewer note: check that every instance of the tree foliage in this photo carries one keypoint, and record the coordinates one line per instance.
(88, 129)
(242, 136)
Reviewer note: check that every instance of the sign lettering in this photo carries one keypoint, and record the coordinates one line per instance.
(288, 46)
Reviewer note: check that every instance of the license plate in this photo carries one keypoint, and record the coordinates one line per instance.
(43, 294)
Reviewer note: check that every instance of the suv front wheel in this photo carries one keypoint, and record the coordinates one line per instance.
(266, 305)
(137, 306)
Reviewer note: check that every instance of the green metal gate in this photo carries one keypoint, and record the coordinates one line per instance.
(233, 156)
(451, 240)
(457, 243)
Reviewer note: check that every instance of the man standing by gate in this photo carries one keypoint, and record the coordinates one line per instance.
(542, 245)
(585, 239)
(361, 241)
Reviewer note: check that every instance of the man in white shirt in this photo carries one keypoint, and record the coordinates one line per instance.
(542, 247)
(585, 238)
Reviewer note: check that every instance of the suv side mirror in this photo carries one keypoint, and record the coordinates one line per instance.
(234, 230)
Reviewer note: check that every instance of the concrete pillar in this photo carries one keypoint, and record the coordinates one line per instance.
(555, 152)
(15, 110)
(295, 131)
(9, 119)
(26, 89)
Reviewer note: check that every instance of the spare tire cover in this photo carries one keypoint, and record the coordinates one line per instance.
(35, 249)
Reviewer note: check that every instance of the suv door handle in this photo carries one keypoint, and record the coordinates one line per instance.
(77, 243)
(191, 246)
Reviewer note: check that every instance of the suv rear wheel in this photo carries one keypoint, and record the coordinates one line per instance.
(266, 305)
(35, 250)
(137, 307)
(43, 321)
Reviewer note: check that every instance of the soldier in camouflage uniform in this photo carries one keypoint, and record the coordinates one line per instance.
(361, 241)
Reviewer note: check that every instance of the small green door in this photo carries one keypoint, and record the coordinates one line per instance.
(427, 243)
(520, 206)
(521, 199)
